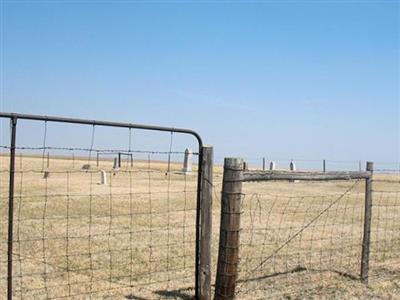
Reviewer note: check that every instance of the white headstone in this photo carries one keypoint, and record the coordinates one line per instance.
(103, 177)
(187, 162)
(272, 166)
(292, 166)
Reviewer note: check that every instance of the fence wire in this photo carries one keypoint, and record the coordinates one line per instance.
(304, 239)
(385, 239)
(74, 237)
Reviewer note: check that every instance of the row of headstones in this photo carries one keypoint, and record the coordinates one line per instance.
(187, 166)
(272, 166)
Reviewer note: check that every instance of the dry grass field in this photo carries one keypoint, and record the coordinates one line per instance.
(134, 238)
(304, 240)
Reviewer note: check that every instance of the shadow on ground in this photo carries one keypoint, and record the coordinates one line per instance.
(182, 294)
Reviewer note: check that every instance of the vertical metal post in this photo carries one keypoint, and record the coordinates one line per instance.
(11, 208)
(198, 207)
(263, 164)
(367, 225)
(119, 159)
(324, 165)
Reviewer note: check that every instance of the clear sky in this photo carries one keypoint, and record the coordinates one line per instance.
(300, 79)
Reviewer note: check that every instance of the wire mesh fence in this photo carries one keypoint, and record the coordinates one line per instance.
(292, 243)
(289, 238)
(385, 240)
(85, 228)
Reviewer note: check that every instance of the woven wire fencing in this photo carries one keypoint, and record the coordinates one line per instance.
(87, 227)
(385, 238)
(302, 234)
(299, 236)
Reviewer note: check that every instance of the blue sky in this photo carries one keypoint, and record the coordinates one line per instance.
(308, 80)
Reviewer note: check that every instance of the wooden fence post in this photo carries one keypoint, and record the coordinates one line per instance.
(206, 223)
(324, 165)
(367, 225)
(263, 164)
(228, 254)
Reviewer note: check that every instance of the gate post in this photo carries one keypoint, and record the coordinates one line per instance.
(205, 223)
(367, 225)
(228, 253)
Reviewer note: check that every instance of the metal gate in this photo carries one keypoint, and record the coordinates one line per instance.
(98, 222)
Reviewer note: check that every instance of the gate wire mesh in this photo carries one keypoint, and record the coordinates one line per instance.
(304, 239)
(131, 238)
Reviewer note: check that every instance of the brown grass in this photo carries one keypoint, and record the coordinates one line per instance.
(134, 238)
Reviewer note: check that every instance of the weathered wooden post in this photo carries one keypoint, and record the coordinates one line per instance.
(324, 165)
(187, 161)
(263, 164)
(206, 223)
(367, 224)
(119, 159)
(228, 254)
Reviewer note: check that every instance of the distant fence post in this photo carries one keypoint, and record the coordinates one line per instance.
(228, 253)
(263, 164)
(206, 223)
(119, 159)
(324, 165)
(367, 225)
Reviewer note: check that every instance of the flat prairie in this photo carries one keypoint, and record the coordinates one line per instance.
(134, 237)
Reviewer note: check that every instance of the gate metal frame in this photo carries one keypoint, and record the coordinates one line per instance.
(13, 120)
